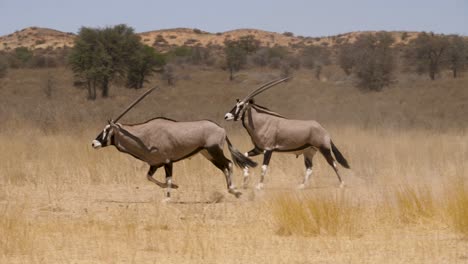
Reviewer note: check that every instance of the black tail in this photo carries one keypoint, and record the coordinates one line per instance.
(239, 159)
(339, 157)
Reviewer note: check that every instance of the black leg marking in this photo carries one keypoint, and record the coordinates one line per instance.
(168, 170)
(307, 162)
(266, 161)
(221, 162)
(254, 152)
(149, 176)
(328, 156)
(267, 157)
(152, 170)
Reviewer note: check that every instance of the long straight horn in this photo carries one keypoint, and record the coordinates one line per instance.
(265, 87)
(134, 103)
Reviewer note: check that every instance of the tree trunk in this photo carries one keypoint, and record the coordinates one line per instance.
(88, 84)
(318, 71)
(94, 89)
(231, 74)
(105, 88)
(141, 81)
(91, 89)
(454, 70)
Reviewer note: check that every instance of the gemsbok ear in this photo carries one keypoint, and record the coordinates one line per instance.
(237, 100)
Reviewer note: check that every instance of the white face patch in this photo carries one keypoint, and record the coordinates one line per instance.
(96, 144)
(229, 117)
(104, 132)
(238, 107)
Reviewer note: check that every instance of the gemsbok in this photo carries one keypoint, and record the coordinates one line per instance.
(162, 141)
(271, 132)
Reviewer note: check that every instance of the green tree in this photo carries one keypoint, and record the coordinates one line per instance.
(23, 54)
(457, 54)
(85, 59)
(372, 59)
(101, 55)
(249, 44)
(425, 53)
(236, 56)
(143, 64)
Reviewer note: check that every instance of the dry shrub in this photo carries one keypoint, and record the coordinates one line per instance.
(414, 204)
(309, 215)
(457, 207)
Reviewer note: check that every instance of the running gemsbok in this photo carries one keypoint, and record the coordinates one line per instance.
(270, 132)
(162, 141)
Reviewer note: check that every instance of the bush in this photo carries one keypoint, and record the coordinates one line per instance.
(40, 41)
(3, 67)
(160, 41)
(371, 58)
(23, 55)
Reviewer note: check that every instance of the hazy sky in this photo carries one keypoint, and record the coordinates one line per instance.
(307, 18)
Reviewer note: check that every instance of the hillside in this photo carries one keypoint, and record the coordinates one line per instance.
(37, 38)
(43, 38)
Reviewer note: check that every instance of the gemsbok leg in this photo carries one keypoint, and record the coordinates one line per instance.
(168, 169)
(216, 156)
(328, 156)
(266, 161)
(308, 156)
(252, 153)
(150, 178)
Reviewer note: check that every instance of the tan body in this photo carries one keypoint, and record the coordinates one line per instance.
(168, 141)
(270, 131)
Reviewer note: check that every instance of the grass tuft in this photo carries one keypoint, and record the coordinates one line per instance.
(311, 215)
(414, 204)
(457, 209)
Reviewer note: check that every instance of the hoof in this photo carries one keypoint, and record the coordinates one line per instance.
(245, 183)
(166, 200)
(259, 186)
(301, 186)
(342, 184)
(235, 192)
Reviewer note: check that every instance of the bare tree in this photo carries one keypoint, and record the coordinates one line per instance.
(425, 54)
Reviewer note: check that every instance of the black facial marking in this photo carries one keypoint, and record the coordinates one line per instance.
(103, 137)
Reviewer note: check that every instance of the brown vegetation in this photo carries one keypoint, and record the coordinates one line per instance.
(405, 200)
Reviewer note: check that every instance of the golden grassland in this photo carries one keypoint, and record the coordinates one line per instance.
(406, 199)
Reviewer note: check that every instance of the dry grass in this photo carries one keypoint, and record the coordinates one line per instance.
(457, 208)
(414, 203)
(326, 214)
(405, 200)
